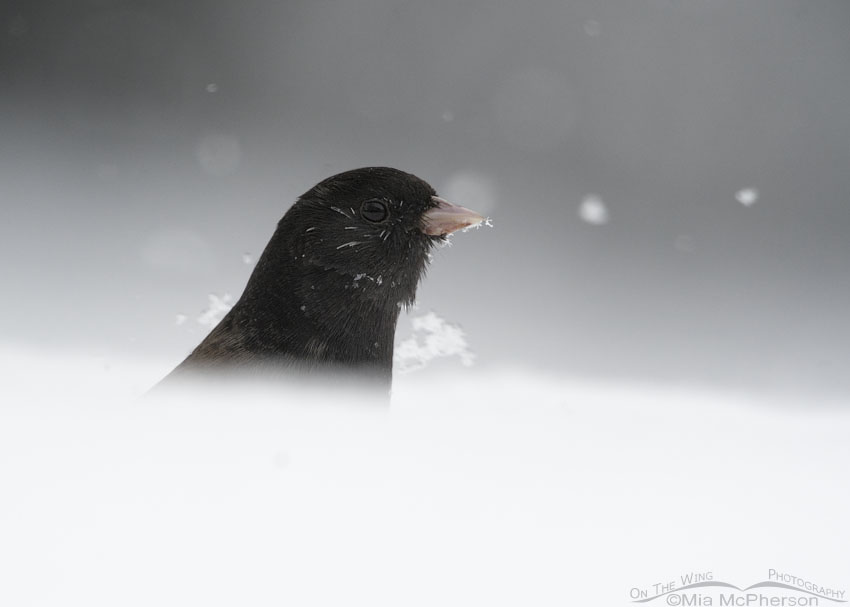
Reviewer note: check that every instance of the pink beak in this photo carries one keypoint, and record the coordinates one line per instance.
(446, 218)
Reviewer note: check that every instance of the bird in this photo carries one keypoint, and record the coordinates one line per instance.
(326, 293)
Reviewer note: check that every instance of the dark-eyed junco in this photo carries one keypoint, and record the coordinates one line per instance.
(327, 291)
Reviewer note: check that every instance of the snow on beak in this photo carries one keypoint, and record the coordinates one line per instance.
(446, 218)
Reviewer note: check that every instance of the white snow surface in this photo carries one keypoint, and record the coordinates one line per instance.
(501, 487)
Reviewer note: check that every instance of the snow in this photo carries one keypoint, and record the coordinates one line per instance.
(747, 197)
(593, 211)
(486, 222)
(340, 211)
(591, 28)
(433, 337)
(501, 487)
(217, 308)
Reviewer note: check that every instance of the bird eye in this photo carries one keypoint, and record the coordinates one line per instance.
(374, 211)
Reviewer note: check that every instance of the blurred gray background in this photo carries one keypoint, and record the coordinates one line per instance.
(668, 180)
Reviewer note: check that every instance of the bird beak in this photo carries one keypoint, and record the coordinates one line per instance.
(446, 218)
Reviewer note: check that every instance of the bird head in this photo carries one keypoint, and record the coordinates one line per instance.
(376, 227)
(326, 293)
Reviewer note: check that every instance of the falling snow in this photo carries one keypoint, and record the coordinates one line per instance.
(432, 338)
(591, 28)
(593, 211)
(217, 308)
(747, 197)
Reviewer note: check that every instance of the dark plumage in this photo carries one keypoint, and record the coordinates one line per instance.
(327, 291)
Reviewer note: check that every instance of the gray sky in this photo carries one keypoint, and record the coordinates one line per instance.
(146, 147)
